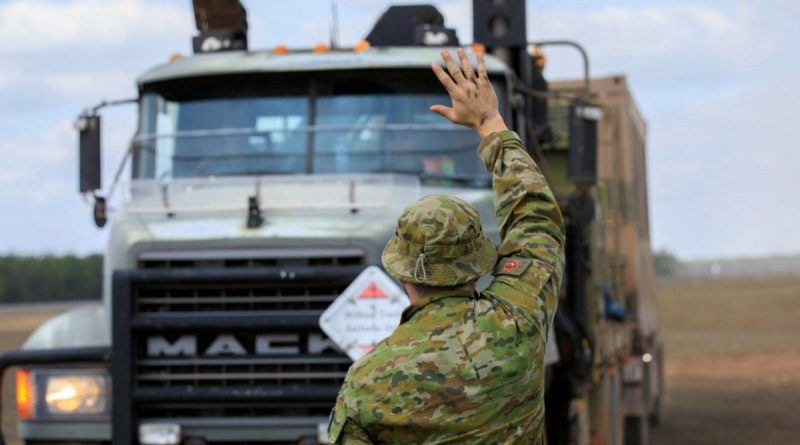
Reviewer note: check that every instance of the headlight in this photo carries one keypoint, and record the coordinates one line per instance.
(76, 394)
(66, 394)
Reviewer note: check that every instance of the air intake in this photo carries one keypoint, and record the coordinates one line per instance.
(222, 25)
(412, 25)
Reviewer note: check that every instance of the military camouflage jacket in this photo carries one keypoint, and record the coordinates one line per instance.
(466, 368)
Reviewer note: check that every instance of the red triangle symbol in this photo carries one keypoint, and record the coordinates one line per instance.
(372, 291)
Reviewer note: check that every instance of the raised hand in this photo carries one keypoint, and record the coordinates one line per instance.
(474, 102)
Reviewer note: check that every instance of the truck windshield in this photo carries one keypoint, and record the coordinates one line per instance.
(333, 123)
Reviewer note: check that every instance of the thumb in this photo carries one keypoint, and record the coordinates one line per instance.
(446, 112)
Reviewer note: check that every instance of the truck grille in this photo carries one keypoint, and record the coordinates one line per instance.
(251, 258)
(242, 372)
(281, 293)
(264, 305)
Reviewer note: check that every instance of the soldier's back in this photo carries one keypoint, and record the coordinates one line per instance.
(457, 370)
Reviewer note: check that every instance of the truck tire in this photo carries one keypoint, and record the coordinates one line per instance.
(637, 430)
(655, 414)
(616, 410)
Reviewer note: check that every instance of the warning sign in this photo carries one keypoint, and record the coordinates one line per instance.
(365, 313)
(372, 291)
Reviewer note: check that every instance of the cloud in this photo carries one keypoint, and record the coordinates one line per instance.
(31, 155)
(87, 48)
(716, 82)
(88, 85)
(37, 25)
(716, 88)
(667, 43)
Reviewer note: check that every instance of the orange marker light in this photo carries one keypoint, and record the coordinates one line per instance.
(24, 395)
(174, 57)
(478, 48)
(280, 50)
(361, 46)
(539, 58)
(321, 48)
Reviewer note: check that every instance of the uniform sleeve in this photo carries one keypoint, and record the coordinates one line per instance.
(343, 430)
(531, 254)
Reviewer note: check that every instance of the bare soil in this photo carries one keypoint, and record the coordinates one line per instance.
(733, 362)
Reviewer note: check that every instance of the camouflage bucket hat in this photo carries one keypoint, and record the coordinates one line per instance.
(439, 241)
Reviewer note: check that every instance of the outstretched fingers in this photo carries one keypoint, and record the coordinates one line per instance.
(482, 76)
(465, 65)
(444, 78)
(454, 70)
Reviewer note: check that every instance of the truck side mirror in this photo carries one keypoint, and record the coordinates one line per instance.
(88, 127)
(583, 120)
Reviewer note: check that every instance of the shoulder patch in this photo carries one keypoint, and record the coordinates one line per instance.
(512, 266)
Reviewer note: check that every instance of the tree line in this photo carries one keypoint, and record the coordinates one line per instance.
(50, 278)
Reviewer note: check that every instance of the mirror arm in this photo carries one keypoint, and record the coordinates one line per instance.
(112, 103)
(121, 169)
(577, 46)
(528, 91)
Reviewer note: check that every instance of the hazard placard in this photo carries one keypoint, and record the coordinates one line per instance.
(365, 313)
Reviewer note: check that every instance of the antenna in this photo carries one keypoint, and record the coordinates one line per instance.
(334, 26)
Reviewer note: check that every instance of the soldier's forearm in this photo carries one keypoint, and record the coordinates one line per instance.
(489, 125)
(528, 215)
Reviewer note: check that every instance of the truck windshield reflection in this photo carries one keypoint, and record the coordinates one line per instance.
(360, 133)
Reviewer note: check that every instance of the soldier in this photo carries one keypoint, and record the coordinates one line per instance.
(464, 367)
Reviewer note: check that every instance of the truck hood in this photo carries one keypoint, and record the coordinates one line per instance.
(193, 219)
(297, 211)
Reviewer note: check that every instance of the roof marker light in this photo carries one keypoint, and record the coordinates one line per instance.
(280, 50)
(174, 57)
(478, 48)
(321, 48)
(361, 46)
(539, 57)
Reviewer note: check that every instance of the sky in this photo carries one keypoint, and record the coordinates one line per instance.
(717, 82)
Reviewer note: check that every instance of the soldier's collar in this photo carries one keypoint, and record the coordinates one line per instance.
(437, 293)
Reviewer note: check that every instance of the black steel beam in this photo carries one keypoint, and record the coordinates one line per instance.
(265, 321)
(240, 275)
(287, 393)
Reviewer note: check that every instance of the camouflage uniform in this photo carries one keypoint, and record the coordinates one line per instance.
(463, 367)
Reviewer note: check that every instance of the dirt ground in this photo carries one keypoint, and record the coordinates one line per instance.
(733, 362)
(732, 367)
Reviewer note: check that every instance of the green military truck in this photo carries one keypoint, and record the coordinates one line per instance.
(263, 182)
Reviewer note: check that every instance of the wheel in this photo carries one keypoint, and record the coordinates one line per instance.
(655, 414)
(637, 430)
(616, 408)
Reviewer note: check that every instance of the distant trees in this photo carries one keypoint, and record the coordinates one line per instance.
(50, 278)
(666, 264)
